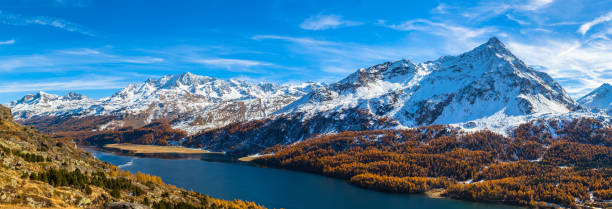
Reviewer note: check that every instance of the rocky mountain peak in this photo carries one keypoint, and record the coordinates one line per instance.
(74, 96)
(480, 83)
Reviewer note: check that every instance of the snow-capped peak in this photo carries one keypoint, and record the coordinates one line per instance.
(40, 97)
(191, 101)
(600, 98)
(485, 81)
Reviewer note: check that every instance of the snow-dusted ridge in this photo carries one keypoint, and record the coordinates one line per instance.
(191, 102)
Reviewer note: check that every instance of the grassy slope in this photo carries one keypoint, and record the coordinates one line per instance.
(17, 190)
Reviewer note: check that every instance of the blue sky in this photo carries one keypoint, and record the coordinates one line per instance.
(97, 47)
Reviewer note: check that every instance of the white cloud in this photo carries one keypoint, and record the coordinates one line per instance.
(81, 83)
(489, 9)
(442, 29)
(584, 28)
(231, 62)
(142, 60)
(292, 39)
(323, 22)
(17, 19)
(578, 66)
(532, 5)
(83, 51)
(62, 60)
(72, 3)
(519, 21)
(239, 65)
(7, 42)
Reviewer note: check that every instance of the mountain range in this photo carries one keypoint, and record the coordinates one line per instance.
(485, 88)
(190, 102)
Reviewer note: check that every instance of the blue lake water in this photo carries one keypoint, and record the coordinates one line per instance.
(277, 188)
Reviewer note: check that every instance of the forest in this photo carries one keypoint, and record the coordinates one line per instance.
(563, 163)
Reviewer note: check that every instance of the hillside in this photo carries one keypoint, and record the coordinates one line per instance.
(542, 164)
(38, 171)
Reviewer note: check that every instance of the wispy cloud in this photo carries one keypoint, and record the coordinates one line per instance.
(142, 60)
(532, 5)
(441, 29)
(488, 9)
(519, 21)
(7, 42)
(61, 60)
(88, 82)
(336, 59)
(72, 3)
(82, 51)
(323, 22)
(578, 66)
(584, 28)
(20, 20)
(234, 64)
(300, 40)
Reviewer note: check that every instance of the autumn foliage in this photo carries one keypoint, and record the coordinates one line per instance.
(559, 162)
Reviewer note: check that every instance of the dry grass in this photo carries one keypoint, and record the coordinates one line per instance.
(152, 149)
(248, 158)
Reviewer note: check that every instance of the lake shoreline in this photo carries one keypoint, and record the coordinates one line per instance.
(264, 172)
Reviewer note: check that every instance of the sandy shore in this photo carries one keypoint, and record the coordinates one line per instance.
(154, 149)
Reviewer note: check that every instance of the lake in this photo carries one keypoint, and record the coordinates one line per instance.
(277, 188)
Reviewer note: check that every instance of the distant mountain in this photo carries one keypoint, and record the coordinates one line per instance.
(599, 99)
(43, 104)
(189, 102)
(487, 85)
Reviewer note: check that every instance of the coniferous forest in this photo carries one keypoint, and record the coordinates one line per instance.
(570, 167)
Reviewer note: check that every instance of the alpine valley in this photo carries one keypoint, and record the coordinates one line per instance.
(487, 88)
(480, 126)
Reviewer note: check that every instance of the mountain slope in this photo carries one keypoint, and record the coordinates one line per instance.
(487, 85)
(37, 171)
(452, 89)
(600, 98)
(189, 102)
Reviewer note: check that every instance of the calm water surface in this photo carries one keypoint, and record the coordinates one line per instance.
(277, 188)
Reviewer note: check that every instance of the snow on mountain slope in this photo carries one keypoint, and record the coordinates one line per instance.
(43, 104)
(188, 101)
(599, 99)
(487, 81)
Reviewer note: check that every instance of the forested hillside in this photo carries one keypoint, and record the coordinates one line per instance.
(567, 163)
